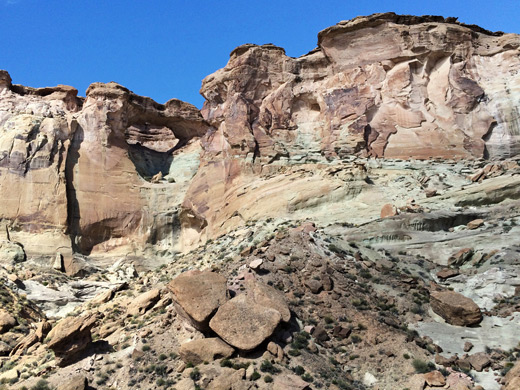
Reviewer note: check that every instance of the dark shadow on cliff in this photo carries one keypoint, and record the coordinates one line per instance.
(73, 209)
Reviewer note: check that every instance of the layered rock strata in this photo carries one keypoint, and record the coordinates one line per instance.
(121, 173)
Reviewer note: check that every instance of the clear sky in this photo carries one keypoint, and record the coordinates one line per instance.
(163, 49)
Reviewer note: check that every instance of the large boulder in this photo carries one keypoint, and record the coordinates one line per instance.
(198, 294)
(243, 323)
(269, 297)
(71, 336)
(455, 308)
(204, 350)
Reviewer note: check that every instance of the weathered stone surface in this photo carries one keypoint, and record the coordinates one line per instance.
(290, 382)
(62, 158)
(243, 323)
(204, 350)
(7, 321)
(36, 336)
(11, 252)
(199, 294)
(71, 336)
(417, 382)
(447, 273)
(475, 224)
(9, 375)
(455, 308)
(512, 378)
(268, 297)
(479, 361)
(388, 210)
(230, 379)
(143, 302)
(76, 382)
(435, 378)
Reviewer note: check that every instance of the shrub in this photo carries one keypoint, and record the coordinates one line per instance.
(195, 374)
(42, 384)
(255, 376)
(268, 379)
(267, 366)
(422, 367)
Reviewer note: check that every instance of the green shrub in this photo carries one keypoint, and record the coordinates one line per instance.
(42, 384)
(422, 367)
(268, 379)
(268, 367)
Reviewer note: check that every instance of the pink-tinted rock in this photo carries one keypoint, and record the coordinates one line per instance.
(455, 308)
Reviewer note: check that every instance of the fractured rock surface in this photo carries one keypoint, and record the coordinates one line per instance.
(455, 308)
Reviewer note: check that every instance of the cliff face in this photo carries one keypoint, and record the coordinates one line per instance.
(277, 136)
(76, 173)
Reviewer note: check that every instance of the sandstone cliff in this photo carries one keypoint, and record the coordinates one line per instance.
(118, 172)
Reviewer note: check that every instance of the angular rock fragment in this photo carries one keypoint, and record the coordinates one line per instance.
(7, 321)
(143, 302)
(198, 294)
(71, 336)
(204, 350)
(269, 297)
(243, 323)
(455, 308)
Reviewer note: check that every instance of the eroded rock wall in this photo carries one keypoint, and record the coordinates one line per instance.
(278, 136)
(79, 171)
(384, 86)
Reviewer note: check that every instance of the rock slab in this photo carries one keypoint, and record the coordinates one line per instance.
(455, 308)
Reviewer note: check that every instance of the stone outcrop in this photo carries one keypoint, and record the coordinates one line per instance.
(384, 85)
(143, 302)
(7, 321)
(243, 323)
(455, 308)
(204, 350)
(71, 336)
(75, 153)
(198, 295)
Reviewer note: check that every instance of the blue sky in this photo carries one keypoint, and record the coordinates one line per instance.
(163, 49)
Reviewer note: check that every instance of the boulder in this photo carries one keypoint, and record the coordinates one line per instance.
(455, 308)
(7, 321)
(11, 252)
(512, 378)
(460, 257)
(314, 285)
(243, 323)
(475, 224)
(269, 297)
(4, 348)
(198, 294)
(388, 210)
(447, 273)
(479, 361)
(36, 336)
(76, 382)
(71, 336)
(204, 350)
(417, 382)
(9, 375)
(290, 382)
(142, 303)
(434, 378)
(230, 379)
